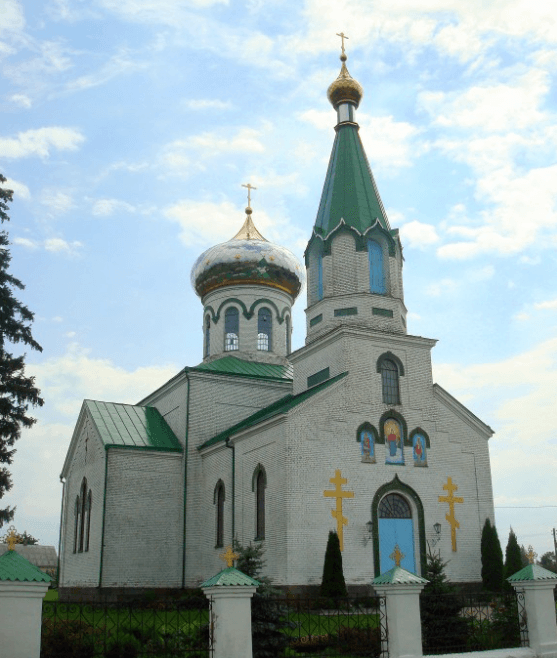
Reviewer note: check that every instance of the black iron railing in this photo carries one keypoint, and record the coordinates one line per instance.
(458, 623)
(155, 629)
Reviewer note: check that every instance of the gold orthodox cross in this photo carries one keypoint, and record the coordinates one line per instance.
(450, 488)
(397, 555)
(229, 556)
(11, 538)
(343, 37)
(339, 494)
(250, 188)
(531, 555)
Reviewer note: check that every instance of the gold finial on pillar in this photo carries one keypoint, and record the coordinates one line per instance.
(343, 37)
(11, 538)
(229, 556)
(397, 555)
(531, 555)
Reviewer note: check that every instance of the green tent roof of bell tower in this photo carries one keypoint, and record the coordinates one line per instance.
(349, 192)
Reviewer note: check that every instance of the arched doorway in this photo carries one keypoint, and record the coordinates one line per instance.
(396, 528)
(383, 536)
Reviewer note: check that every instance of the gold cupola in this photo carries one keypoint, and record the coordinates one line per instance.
(344, 89)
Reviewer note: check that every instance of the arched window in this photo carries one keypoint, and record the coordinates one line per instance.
(319, 276)
(83, 510)
(264, 329)
(376, 268)
(288, 334)
(258, 486)
(394, 506)
(231, 329)
(218, 500)
(389, 382)
(77, 511)
(207, 335)
(88, 524)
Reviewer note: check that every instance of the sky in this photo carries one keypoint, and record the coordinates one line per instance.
(128, 126)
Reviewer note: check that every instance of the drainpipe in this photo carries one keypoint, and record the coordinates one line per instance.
(104, 516)
(227, 443)
(60, 531)
(185, 460)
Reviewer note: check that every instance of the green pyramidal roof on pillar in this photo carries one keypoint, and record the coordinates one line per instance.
(532, 572)
(230, 577)
(15, 567)
(349, 193)
(398, 576)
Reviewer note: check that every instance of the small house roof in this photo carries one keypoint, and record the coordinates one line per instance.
(43, 557)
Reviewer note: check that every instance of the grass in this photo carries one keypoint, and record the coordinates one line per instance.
(316, 624)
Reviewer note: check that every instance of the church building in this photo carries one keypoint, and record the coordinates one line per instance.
(261, 443)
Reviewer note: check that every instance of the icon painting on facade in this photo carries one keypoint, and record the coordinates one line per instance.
(367, 443)
(393, 441)
(419, 450)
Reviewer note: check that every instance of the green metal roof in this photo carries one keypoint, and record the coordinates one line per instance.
(532, 572)
(231, 365)
(399, 576)
(279, 407)
(349, 192)
(132, 426)
(15, 567)
(230, 577)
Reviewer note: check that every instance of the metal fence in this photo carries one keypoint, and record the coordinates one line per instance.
(346, 628)
(458, 623)
(156, 629)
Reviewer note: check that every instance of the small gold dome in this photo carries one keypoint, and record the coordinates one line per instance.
(345, 88)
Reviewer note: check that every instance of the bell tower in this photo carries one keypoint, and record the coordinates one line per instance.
(353, 258)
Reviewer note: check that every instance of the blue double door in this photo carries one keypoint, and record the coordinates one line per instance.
(396, 532)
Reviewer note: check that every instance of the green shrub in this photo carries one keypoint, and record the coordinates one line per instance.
(333, 585)
(70, 638)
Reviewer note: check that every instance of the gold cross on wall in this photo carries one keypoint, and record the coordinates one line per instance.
(343, 37)
(450, 488)
(531, 555)
(397, 555)
(11, 538)
(250, 188)
(338, 481)
(229, 556)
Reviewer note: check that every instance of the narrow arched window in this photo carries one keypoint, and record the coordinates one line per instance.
(77, 511)
(376, 268)
(259, 486)
(319, 276)
(88, 525)
(264, 329)
(389, 382)
(207, 336)
(231, 329)
(288, 334)
(219, 504)
(83, 510)
(394, 506)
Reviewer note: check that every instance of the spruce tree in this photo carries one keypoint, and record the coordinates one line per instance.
(492, 558)
(513, 558)
(333, 585)
(17, 391)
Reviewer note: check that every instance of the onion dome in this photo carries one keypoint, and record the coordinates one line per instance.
(344, 89)
(247, 259)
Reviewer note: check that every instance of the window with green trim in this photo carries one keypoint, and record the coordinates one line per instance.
(231, 329)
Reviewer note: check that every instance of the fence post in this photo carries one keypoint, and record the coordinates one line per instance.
(22, 589)
(230, 593)
(401, 590)
(538, 585)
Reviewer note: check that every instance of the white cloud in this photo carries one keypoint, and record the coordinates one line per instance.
(57, 202)
(21, 99)
(550, 304)
(442, 287)
(106, 207)
(12, 18)
(418, 234)
(26, 242)
(20, 190)
(207, 104)
(40, 141)
(58, 245)
(122, 62)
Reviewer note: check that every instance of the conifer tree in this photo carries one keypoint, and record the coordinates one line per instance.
(492, 558)
(17, 391)
(513, 558)
(333, 585)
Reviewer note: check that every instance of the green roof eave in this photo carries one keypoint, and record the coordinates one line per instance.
(349, 192)
(532, 572)
(399, 576)
(149, 448)
(281, 406)
(14, 567)
(231, 577)
(231, 365)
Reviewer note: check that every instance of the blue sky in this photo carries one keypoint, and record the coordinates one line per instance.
(128, 127)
